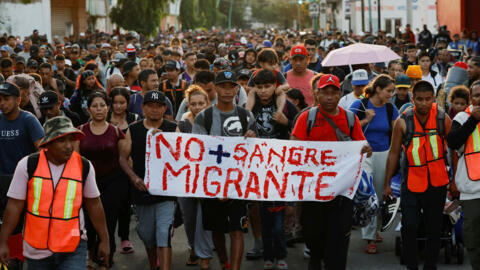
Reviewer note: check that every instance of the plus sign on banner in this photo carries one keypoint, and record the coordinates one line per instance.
(189, 165)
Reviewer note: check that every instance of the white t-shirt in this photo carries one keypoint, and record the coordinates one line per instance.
(347, 101)
(18, 190)
(469, 189)
(434, 81)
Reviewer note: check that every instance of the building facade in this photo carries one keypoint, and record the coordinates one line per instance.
(53, 18)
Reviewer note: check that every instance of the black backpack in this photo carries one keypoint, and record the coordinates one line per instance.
(32, 163)
(242, 115)
(408, 116)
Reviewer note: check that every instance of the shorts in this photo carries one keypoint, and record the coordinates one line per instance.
(155, 223)
(224, 216)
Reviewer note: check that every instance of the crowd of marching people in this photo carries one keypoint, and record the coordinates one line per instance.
(75, 116)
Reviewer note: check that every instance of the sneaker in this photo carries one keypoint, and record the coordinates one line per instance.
(282, 265)
(306, 252)
(389, 211)
(268, 265)
(254, 254)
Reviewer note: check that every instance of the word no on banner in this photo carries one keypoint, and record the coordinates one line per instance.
(191, 165)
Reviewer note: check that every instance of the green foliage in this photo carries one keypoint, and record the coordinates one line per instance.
(280, 12)
(205, 13)
(142, 16)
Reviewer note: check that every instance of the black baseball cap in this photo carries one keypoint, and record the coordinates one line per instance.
(233, 56)
(127, 67)
(9, 89)
(244, 73)
(32, 63)
(225, 76)
(20, 59)
(47, 99)
(172, 64)
(154, 96)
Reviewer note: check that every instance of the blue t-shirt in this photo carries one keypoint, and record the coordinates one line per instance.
(376, 131)
(136, 101)
(16, 140)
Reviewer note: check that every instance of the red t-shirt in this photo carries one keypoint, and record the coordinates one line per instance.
(323, 131)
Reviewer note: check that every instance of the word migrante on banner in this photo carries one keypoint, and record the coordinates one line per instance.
(190, 165)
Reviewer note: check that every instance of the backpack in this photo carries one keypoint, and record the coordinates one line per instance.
(361, 114)
(341, 136)
(32, 163)
(408, 116)
(242, 115)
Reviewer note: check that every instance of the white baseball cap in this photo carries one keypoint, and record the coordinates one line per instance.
(360, 77)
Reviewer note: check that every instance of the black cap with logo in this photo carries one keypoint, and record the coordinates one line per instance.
(9, 89)
(47, 99)
(154, 96)
(225, 76)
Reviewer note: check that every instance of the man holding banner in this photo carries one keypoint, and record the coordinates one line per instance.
(327, 225)
(220, 215)
(155, 213)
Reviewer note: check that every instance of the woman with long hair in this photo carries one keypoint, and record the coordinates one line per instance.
(199, 240)
(87, 85)
(376, 115)
(120, 117)
(101, 145)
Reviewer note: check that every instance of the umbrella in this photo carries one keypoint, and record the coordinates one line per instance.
(359, 53)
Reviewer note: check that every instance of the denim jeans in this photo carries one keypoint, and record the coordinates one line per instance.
(274, 246)
(76, 260)
(431, 202)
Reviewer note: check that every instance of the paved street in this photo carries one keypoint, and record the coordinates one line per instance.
(357, 259)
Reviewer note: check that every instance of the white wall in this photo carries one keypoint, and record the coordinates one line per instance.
(423, 12)
(21, 19)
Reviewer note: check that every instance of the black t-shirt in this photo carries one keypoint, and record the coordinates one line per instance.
(29, 108)
(70, 74)
(266, 126)
(138, 133)
(399, 103)
(315, 66)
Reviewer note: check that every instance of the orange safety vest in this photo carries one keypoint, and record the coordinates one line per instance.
(52, 218)
(472, 152)
(425, 155)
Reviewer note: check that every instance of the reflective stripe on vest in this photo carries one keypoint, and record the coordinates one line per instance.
(472, 153)
(72, 186)
(52, 217)
(425, 155)
(37, 187)
(415, 155)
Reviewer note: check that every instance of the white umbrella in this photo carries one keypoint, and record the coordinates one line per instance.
(359, 53)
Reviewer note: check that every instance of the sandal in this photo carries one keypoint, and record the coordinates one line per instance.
(126, 247)
(378, 238)
(192, 260)
(371, 249)
(205, 264)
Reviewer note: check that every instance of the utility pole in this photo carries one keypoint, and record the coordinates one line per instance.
(230, 15)
(363, 16)
(370, 16)
(379, 15)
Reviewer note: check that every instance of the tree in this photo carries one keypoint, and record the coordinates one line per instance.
(142, 16)
(280, 12)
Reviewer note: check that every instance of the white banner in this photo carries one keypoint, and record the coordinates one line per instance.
(191, 165)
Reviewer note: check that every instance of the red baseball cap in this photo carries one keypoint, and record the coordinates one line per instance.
(299, 50)
(327, 80)
(461, 65)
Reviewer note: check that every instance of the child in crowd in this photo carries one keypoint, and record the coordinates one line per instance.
(459, 99)
(268, 59)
